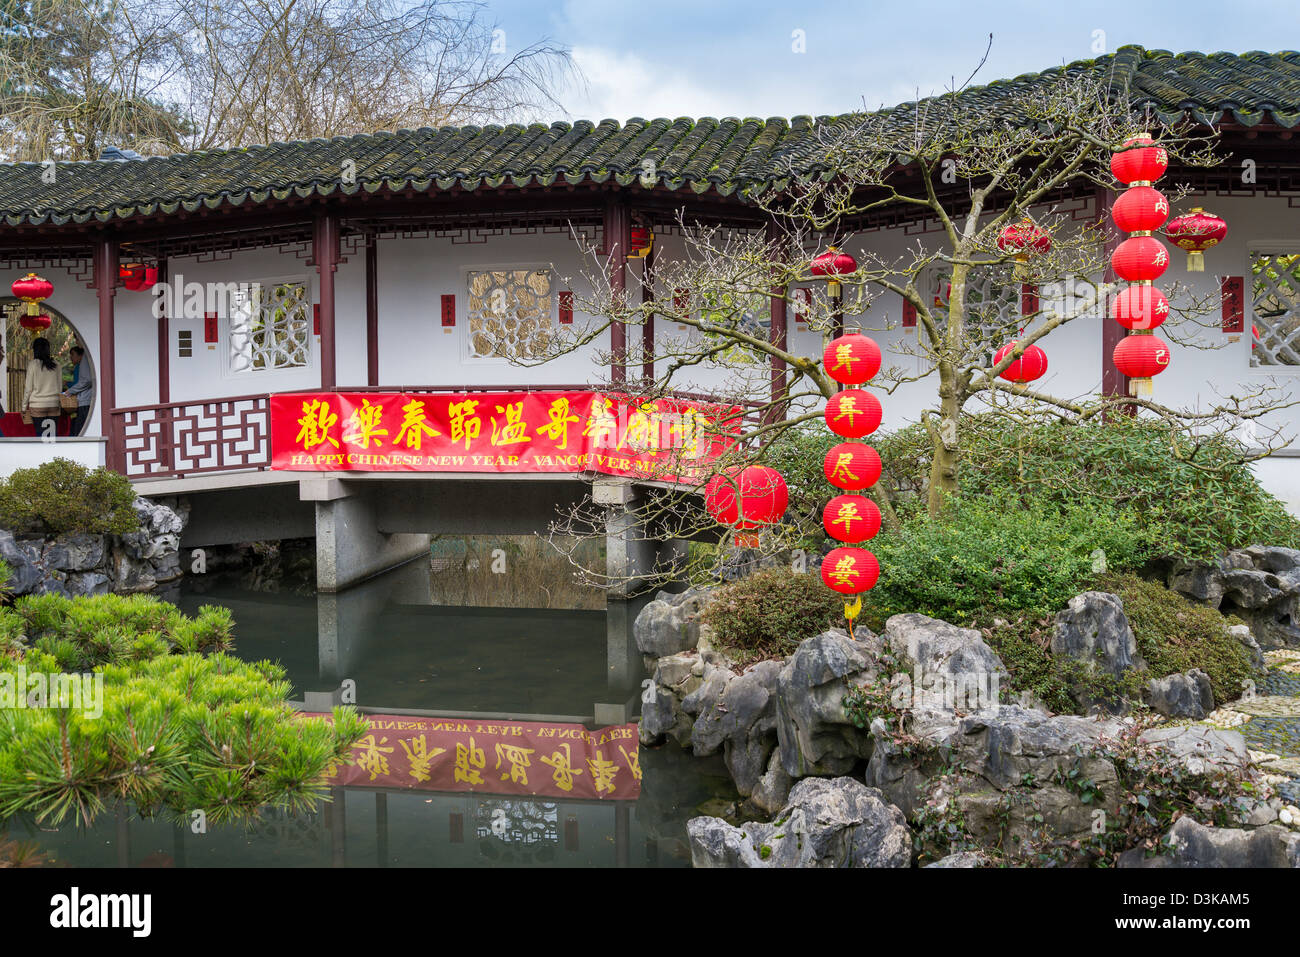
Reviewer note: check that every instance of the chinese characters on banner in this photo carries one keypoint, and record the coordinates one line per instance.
(494, 757)
(496, 432)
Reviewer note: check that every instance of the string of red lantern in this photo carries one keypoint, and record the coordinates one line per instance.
(1025, 239)
(1140, 260)
(851, 359)
(33, 290)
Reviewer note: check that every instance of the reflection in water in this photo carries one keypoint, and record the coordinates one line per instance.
(404, 655)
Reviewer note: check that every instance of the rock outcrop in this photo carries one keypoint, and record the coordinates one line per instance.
(826, 823)
(1260, 584)
(76, 564)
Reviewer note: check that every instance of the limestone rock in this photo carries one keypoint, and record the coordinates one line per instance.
(813, 729)
(1201, 749)
(1186, 695)
(1192, 845)
(74, 552)
(670, 624)
(1244, 637)
(825, 823)
(954, 665)
(661, 702)
(1095, 629)
(961, 859)
(25, 572)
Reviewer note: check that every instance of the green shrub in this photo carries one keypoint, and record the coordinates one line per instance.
(1175, 634)
(768, 613)
(179, 731)
(63, 496)
(1193, 495)
(988, 556)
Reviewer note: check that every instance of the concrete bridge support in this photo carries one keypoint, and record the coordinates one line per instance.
(349, 546)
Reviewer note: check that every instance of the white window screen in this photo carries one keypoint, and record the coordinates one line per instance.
(270, 326)
(509, 313)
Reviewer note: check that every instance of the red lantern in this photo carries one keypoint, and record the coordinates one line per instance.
(853, 413)
(1140, 210)
(1139, 163)
(1140, 307)
(1196, 232)
(756, 496)
(833, 263)
(852, 466)
(1140, 257)
(37, 323)
(32, 289)
(1031, 365)
(1141, 356)
(851, 518)
(1024, 238)
(137, 277)
(851, 359)
(642, 241)
(850, 571)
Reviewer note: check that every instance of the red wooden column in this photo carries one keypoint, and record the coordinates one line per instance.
(372, 311)
(618, 240)
(325, 256)
(1113, 382)
(778, 331)
(105, 278)
(160, 303)
(648, 330)
(164, 339)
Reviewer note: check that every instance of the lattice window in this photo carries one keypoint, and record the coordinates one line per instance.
(992, 307)
(510, 313)
(270, 327)
(1275, 302)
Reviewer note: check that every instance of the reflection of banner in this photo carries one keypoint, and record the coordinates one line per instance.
(495, 432)
(494, 757)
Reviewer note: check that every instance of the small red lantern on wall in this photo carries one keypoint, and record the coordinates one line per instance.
(850, 571)
(642, 241)
(853, 413)
(852, 359)
(1140, 307)
(851, 466)
(1031, 365)
(1140, 162)
(37, 323)
(755, 496)
(1196, 232)
(138, 277)
(1140, 258)
(851, 518)
(1140, 209)
(33, 290)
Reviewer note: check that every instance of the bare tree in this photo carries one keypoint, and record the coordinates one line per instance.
(79, 75)
(972, 164)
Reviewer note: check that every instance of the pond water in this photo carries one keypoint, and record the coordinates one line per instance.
(400, 653)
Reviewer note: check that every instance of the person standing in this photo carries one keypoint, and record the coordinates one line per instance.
(44, 382)
(82, 388)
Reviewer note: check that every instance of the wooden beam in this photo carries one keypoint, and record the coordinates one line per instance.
(648, 330)
(778, 331)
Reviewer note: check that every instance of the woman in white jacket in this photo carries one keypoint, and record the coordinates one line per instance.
(44, 382)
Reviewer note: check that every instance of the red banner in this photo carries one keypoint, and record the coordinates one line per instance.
(494, 757)
(497, 432)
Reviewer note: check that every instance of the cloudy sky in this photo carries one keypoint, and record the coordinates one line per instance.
(719, 58)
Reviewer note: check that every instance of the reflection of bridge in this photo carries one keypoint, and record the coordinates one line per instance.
(366, 827)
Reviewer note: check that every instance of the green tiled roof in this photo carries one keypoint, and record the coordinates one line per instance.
(697, 155)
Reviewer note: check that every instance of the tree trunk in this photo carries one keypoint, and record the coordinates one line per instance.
(944, 439)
